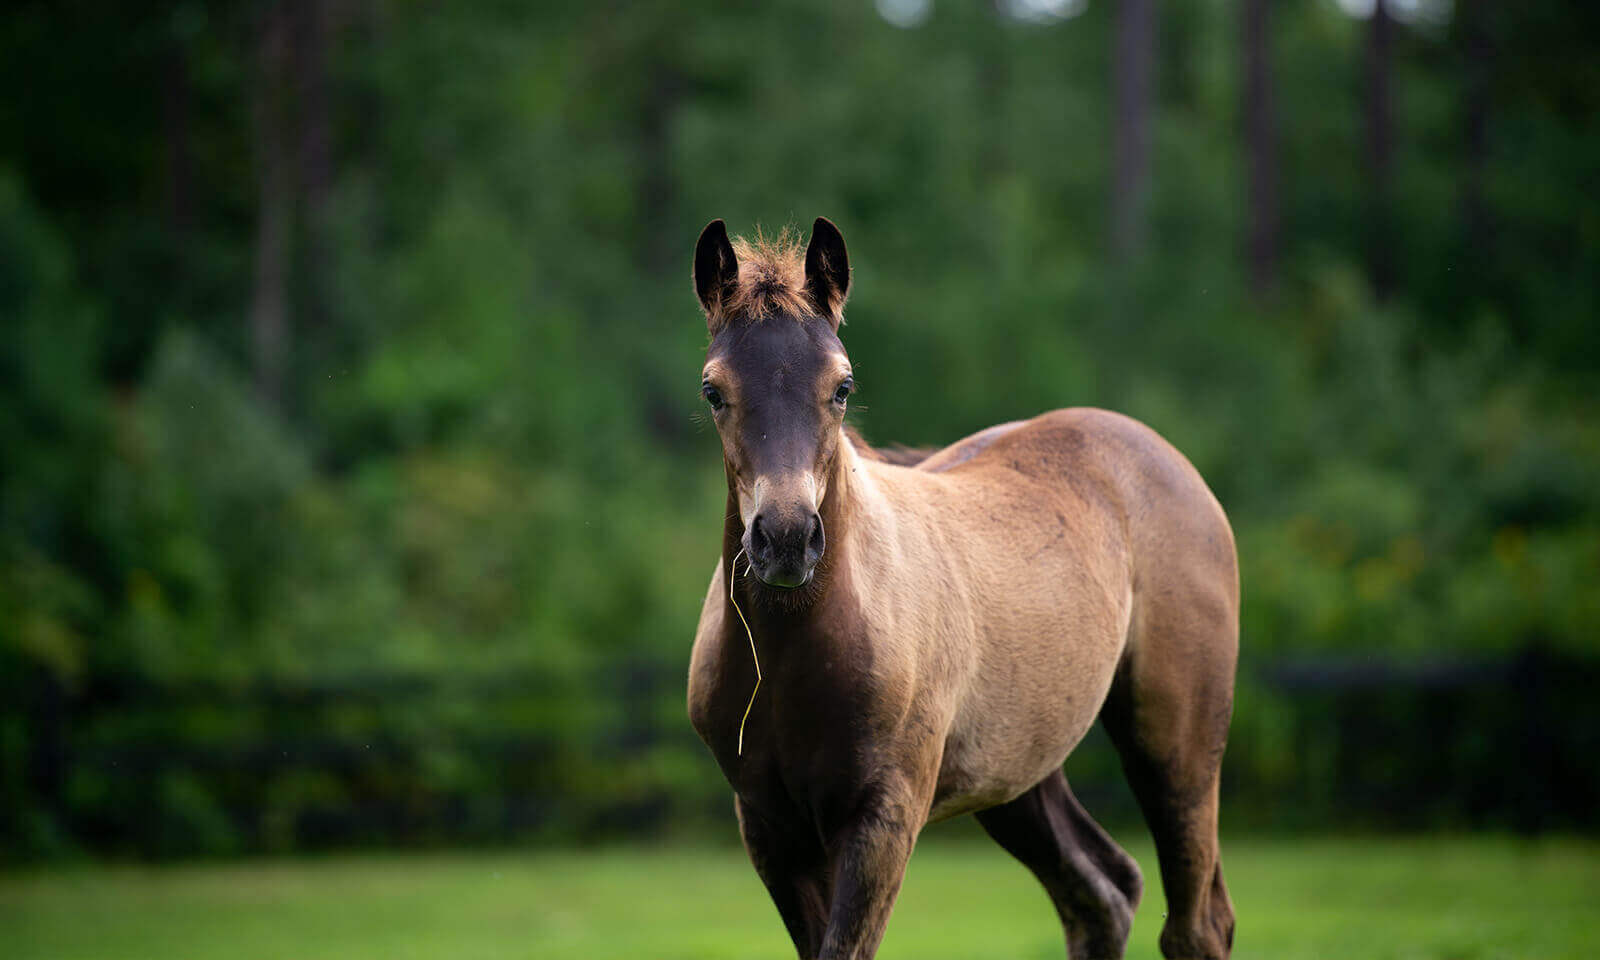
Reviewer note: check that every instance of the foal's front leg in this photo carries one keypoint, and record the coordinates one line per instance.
(869, 861)
(794, 867)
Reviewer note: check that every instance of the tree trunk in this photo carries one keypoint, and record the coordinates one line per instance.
(1133, 86)
(269, 309)
(1261, 138)
(315, 158)
(659, 253)
(994, 87)
(1476, 54)
(1380, 151)
(177, 125)
(177, 122)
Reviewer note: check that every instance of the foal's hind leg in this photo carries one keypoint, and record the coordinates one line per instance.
(1093, 884)
(1167, 714)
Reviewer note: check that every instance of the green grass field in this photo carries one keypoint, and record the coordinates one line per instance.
(1450, 899)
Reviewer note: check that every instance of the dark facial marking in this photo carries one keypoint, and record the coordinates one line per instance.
(778, 366)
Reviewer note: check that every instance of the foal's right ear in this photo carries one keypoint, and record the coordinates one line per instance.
(716, 271)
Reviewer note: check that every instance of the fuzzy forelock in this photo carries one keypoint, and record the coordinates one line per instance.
(772, 281)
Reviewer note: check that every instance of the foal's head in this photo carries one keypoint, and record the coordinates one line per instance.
(777, 380)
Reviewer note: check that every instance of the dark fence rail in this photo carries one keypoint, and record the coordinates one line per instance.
(1370, 743)
(1505, 743)
(143, 767)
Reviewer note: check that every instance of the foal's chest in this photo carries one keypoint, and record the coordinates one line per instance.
(824, 717)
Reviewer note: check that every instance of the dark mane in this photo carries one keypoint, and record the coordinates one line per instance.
(897, 454)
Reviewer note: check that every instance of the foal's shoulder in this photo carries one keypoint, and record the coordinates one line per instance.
(704, 656)
(708, 635)
(711, 608)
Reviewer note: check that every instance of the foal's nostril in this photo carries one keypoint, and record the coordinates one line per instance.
(760, 546)
(815, 542)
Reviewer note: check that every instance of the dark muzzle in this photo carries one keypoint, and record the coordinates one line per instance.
(784, 551)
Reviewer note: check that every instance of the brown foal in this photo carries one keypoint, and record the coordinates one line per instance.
(934, 639)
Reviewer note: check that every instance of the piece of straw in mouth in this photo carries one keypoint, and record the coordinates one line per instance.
(734, 575)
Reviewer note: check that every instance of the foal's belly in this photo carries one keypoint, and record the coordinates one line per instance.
(1035, 688)
(984, 766)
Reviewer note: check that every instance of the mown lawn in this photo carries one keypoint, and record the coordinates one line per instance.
(1442, 899)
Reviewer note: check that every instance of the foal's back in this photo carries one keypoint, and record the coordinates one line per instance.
(1113, 477)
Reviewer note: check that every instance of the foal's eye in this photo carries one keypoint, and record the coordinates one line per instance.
(713, 396)
(843, 393)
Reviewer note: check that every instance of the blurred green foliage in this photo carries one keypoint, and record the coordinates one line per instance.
(440, 583)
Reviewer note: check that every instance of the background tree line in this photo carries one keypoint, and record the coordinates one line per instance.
(352, 486)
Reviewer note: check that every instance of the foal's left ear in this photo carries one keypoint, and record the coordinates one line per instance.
(827, 271)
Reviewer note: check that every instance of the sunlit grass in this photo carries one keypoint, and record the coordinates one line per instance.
(1450, 899)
